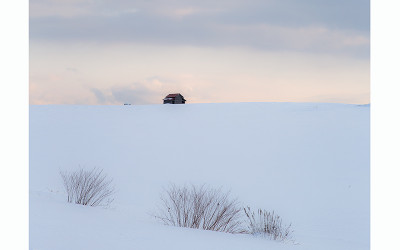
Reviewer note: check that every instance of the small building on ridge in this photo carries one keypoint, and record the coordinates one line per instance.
(174, 99)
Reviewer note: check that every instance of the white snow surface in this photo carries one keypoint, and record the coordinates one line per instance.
(309, 162)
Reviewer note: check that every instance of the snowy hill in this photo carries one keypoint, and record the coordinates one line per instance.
(309, 162)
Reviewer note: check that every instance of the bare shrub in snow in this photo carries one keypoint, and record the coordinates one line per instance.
(200, 207)
(267, 224)
(88, 187)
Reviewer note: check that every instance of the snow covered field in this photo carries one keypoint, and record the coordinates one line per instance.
(309, 162)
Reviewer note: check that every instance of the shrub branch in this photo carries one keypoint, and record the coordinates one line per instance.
(88, 187)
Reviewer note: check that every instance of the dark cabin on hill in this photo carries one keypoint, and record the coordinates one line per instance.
(174, 99)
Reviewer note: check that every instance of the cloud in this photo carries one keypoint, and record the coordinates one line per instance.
(134, 94)
(74, 70)
(70, 9)
(342, 14)
(144, 74)
(314, 26)
(101, 99)
(137, 51)
(150, 91)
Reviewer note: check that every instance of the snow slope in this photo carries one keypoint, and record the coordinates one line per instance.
(309, 162)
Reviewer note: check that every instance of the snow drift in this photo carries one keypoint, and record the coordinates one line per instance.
(309, 162)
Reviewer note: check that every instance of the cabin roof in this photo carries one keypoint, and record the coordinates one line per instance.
(172, 95)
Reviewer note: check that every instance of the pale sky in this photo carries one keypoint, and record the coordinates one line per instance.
(124, 51)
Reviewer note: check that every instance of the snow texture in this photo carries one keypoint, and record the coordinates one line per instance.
(309, 162)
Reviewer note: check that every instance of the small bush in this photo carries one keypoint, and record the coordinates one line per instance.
(88, 187)
(267, 224)
(200, 207)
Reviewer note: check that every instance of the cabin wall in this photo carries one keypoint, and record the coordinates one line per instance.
(167, 101)
(178, 100)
